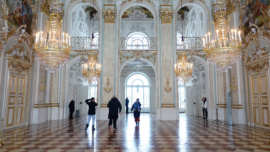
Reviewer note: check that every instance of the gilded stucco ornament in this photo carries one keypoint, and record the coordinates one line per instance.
(108, 88)
(137, 55)
(83, 53)
(252, 37)
(259, 67)
(4, 18)
(168, 88)
(109, 15)
(19, 53)
(166, 16)
(84, 1)
(146, 1)
(21, 34)
(191, 1)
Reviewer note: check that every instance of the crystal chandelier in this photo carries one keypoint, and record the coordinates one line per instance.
(223, 47)
(183, 69)
(91, 70)
(52, 45)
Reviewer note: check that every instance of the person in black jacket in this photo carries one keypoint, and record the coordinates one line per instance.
(71, 108)
(127, 102)
(91, 112)
(137, 108)
(113, 105)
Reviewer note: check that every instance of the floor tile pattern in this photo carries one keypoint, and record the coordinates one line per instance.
(186, 135)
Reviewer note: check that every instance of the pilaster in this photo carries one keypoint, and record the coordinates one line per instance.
(109, 14)
(229, 97)
(168, 108)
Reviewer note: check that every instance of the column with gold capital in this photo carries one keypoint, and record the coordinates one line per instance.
(107, 92)
(168, 107)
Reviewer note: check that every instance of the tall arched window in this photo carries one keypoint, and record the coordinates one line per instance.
(180, 43)
(137, 40)
(182, 96)
(95, 41)
(137, 86)
(92, 90)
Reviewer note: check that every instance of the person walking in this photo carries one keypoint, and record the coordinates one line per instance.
(91, 113)
(137, 108)
(127, 102)
(114, 105)
(71, 108)
(204, 107)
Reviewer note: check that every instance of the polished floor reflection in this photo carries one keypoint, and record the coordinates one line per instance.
(188, 134)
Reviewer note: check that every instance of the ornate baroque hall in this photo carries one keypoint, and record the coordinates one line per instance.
(193, 73)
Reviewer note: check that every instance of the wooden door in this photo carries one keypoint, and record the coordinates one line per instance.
(16, 100)
(259, 95)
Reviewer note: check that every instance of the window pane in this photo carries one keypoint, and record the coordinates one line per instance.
(182, 97)
(137, 76)
(137, 40)
(137, 82)
(138, 87)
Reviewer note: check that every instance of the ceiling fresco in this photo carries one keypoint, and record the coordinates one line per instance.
(183, 11)
(256, 12)
(90, 11)
(138, 9)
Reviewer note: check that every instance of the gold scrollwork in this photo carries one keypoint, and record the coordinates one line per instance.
(41, 86)
(147, 1)
(109, 15)
(84, 53)
(166, 16)
(108, 89)
(167, 88)
(259, 67)
(17, 52)
(233, 87)
(138, 55)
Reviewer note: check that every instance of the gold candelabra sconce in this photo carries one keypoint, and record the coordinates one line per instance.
(1, 143)
(42, 87)
(168, 88)
(233, 87)
(108, 89)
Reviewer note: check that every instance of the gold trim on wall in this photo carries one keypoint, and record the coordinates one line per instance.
(167, 105)
(252, 83)
(256, 103)
(46, 105)
(254, 115)
(10, 84)
(261, 85)
(12, 117)
(266, 100)
(9, 100)
(18, 100)
(266, 125)
(23, 85)
(103, 106)
(21, 115)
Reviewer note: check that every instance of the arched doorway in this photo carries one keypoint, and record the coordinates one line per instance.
(138, 80)
(138, 86)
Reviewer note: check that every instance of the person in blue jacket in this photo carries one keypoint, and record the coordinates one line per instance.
(137, 108)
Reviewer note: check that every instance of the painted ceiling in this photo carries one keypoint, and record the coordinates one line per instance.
(138, 9)
(140, 64)
(183, 12)
(90, 11)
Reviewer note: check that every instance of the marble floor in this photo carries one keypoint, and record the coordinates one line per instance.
(188, 134)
